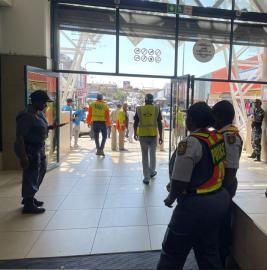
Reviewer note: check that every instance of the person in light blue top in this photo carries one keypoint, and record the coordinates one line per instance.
(78, 116)
(69, 106)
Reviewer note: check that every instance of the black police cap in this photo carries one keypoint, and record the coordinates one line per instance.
(40, 95)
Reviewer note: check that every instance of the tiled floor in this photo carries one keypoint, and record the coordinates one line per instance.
(100, 205)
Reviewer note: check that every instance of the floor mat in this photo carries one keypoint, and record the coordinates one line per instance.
(121, 261)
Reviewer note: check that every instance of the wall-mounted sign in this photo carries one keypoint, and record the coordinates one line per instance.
(203, 50)
(147, 55)
(179, 9)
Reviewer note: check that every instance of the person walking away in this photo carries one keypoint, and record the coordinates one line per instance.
(98, 117)
(202, 202)
(31, 132)
(121, 126)
(146, 122)
(224, 113)
(130, 125)
(257, 118)
(114, 118)
(78, 116)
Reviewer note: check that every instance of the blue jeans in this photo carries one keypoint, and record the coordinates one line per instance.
(100, 127)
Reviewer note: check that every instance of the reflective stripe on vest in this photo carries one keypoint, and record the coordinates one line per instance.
(98, 111)
(235, 131)
(148, 115)
(216, 145)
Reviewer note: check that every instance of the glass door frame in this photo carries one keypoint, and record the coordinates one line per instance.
(44, 72)
(188, 81)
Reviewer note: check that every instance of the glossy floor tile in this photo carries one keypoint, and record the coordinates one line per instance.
(16, 245)
(121, 239)
(63, 243)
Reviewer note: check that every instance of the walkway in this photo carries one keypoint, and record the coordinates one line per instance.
(100, 205)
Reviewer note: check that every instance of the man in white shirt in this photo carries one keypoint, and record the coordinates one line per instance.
(131, 124)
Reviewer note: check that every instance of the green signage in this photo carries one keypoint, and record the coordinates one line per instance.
(179, 9)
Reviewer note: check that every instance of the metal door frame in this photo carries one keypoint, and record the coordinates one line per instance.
(45, 72)
(189, 79)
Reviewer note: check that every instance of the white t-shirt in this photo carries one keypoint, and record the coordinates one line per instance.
(131, 116)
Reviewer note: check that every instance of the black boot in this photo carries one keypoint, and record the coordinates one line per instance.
(253, 155)
(31, 208)
(36, 202)
(257, 158)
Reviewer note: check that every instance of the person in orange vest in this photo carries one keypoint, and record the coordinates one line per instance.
(224, 115)
(122, 125)
(98, 117)
(196, 184)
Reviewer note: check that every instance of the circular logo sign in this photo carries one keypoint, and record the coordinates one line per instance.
(203, 50)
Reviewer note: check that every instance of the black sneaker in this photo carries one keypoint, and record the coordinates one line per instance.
(252, 156)
(32, 210)
(153, 174)
(102, 153)
(35, 201)
(146, 181)
(98, 152)
(38, 203)
(257, 159)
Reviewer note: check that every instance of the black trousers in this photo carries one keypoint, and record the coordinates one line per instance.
(226, 227)
(33, 176)
(100, 127)
(195, 223)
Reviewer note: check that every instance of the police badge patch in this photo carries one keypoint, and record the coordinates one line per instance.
(182, 146)
(231, 139)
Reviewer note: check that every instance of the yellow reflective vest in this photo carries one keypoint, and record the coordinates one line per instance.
(148, 115)
(99, 109)
(121, 120)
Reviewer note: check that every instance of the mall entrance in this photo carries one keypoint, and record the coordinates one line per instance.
(221, 43)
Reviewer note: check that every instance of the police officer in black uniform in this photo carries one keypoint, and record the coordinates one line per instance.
(196, 184)
(31, 132)
(257, 119)
(224, 114)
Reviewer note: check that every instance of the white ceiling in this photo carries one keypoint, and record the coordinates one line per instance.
(5, 3)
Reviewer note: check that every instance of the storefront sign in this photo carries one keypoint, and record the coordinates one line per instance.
(204, 50)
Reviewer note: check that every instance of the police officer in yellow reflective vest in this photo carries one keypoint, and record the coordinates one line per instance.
(146, 122)
(98, 117)
(196, 184)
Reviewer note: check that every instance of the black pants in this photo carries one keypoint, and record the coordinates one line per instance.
(195, 223)
(100, 127)
(226, 227)
(33, 176)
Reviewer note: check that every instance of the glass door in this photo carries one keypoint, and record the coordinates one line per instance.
(181, 99)
(40, 79)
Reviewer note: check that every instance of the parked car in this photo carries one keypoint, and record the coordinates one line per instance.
(84, 129)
